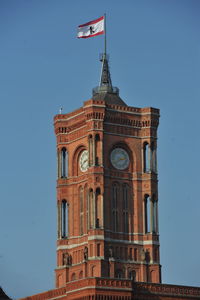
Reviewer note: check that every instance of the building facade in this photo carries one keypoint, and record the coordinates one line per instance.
(107, 202)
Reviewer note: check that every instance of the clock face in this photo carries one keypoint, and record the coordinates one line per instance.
(83, 161)
(119, 158)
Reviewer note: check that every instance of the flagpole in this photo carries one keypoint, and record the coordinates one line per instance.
(103, 56)
(105, 35)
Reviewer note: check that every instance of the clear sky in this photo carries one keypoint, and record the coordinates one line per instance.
(154, 48)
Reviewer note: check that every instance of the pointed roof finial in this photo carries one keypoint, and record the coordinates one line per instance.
(105, 84)
(105, 91)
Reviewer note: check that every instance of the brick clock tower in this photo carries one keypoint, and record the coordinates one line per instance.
(107, 203)
(107, 189)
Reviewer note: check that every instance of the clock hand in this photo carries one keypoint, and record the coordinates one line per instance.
(120, 158)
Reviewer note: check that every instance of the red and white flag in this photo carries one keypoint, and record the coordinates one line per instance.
(91, 28)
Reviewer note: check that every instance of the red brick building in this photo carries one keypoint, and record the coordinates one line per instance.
(107, 202)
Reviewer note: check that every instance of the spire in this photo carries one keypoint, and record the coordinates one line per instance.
(105, 82)
(105, 91)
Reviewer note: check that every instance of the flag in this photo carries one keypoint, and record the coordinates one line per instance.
(92, 28)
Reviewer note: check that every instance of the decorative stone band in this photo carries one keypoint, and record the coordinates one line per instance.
(167, 289)
(90, 287)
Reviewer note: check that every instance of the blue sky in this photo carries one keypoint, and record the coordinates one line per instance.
(154, 48)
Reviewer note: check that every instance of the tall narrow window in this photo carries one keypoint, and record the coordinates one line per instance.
(98, 249)
(97, 150)
(90, 142)
(58, 164)
(86, 208)
(81, 201)
(154, 215)
(98, 208)
(115, 193)
(91, 209)
(64, 219)
(155, 255)
(131, 253)
(146, 157)
(132, 275)
(135, 254)
(64, 163)
(125, 208)
(147, 213)
(153, 158)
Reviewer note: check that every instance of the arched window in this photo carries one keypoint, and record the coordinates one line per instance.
(153, 158)
(132, 275)
(64, 162)
(81, 201)
(64, 219)
(90, 147)
(91, 209)
(115, 194)
(146, 157)
(147, 213)
(81, 275)
(125, 194)
(93, 269)
(86, 226)
(98, 208)
(97, 150)
(73, 277)
(154, 214)
(98, 249)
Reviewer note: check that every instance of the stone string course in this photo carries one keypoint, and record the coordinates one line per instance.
(97, 285)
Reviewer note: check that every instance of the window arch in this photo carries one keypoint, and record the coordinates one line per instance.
(64, 162)
(64, 219)
(115, 194)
